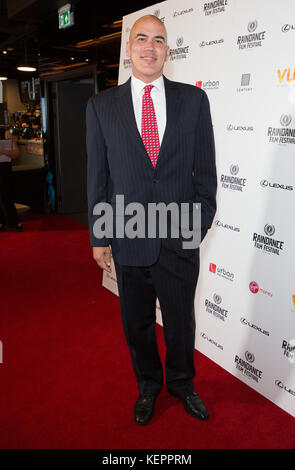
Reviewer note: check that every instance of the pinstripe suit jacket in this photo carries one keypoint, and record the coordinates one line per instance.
(119, 164)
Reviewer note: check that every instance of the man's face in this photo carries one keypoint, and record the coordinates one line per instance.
(147, 48)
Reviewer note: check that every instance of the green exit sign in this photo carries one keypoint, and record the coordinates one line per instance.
(65, 16)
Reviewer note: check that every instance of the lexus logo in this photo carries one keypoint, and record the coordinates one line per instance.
(244, 321)
(263, 183)
(279, 383)
(287, 27)
(249, 356)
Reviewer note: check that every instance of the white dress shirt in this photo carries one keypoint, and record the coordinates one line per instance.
(159, 100)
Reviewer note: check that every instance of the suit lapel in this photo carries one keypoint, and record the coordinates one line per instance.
(124, 105)
(173, 104)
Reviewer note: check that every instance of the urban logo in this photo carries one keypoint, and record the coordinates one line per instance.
(289, 350)
(284, 134)
(233, 127)
(208, 85)
(254, 39)
(212, 341)
(244, 321)
(212, 8)
(215, 309)
(265, 184)
(280, 384)
(211, 43)
(246, 367)
(267, 243)
(180, 52)
(218, 223)
(221, 272)
(286, 75)
(245, 82)
(254, 288)
(233, 182)
(287, 27)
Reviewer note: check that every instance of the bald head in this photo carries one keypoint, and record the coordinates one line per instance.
(147, 48)
(146, 19)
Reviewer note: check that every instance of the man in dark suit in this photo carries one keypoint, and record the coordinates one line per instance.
(153, 144)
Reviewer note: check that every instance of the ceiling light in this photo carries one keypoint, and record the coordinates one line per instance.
(25, 67)
(4, 52)
(3, 78)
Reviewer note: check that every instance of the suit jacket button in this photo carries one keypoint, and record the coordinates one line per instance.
(156, 180)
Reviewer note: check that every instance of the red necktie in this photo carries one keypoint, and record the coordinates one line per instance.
(149, 128)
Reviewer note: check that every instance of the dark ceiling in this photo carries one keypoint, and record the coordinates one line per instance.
(32, 26)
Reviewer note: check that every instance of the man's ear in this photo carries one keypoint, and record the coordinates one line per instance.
(167, 53)
(128, 48)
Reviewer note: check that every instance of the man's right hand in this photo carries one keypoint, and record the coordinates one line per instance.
(102, 255)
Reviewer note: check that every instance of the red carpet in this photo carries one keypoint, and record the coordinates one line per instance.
(66, 378)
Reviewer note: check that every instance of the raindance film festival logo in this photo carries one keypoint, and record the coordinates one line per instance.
(253, 39)
(245, 82)
(246, 367)
(284, 134)
(289, 350)
(212, 8)
(215, 308)
(222, 272)
(180, 52)
(254, 288)
(157, 13)
(266, 242)
(233, 182)
(127, 63)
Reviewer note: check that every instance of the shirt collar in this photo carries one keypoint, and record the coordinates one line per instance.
(138, 85)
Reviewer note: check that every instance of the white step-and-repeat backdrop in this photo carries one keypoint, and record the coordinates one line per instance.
(242, 54)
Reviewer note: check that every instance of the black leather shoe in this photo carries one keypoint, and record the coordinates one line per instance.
(144, 409)
(195, 406)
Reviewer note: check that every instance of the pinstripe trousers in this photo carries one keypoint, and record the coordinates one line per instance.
(173, 280)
